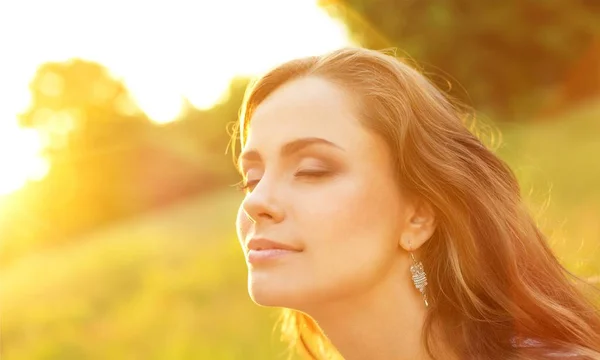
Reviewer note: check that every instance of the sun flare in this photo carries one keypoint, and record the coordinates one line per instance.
(163, 52)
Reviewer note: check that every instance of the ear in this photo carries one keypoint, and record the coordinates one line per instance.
(420, 225)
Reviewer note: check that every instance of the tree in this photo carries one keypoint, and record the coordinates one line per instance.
(93, 128)
(81, 107)
(504, 53)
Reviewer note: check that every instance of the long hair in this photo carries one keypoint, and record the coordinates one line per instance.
(496, 289)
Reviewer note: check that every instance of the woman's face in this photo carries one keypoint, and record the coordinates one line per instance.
(321, 185)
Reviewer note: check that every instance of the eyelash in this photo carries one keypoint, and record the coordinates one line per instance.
(245, 186)
(249, 185)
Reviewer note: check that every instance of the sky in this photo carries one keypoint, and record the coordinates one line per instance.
(162, 51)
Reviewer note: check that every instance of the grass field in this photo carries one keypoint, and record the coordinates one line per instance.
(166, 286)
(172, 284)
(557, 162)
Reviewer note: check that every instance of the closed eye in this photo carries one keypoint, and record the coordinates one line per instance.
(249, 185)
(311, 173)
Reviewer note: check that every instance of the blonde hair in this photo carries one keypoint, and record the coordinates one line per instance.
(492, 277)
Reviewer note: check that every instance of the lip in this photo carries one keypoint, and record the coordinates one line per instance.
(261, 244)
(261, 250)
(262, 256)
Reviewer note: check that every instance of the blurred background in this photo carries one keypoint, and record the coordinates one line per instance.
(117, 209)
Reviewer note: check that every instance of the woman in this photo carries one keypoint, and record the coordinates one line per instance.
(387, 230)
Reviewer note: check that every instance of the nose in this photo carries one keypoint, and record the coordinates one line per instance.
(262, 204)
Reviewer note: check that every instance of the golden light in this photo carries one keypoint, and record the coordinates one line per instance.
(162, 51)
(20, 158)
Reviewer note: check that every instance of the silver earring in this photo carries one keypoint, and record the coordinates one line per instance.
(419, 277)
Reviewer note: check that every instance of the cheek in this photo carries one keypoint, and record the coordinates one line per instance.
(243, 224)
(357, 222)
(361, 210)
(352, 233)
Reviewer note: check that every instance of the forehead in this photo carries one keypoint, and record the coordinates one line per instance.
(306, 107)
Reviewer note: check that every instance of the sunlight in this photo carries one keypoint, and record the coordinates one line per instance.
(164, 51)
(23, 162)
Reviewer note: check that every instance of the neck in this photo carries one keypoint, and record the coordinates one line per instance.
(384, 322)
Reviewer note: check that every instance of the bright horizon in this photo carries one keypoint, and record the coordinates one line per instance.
(163, 52)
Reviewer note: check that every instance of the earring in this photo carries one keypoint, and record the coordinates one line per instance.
(419, 277)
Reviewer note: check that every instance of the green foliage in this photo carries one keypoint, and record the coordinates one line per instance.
(500, 56)
(555, 162)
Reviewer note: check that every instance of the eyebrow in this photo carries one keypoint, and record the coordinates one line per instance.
(289, 148)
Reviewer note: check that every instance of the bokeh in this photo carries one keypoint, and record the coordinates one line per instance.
(117, 203)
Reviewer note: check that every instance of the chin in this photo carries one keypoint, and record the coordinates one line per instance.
(270, 296)
(266, 299)
(272, 293)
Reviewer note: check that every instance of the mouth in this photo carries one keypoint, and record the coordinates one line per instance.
(263, 251)
(262, 244)
(260, 248)
(266, 256)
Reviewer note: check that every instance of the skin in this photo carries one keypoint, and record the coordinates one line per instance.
(339, 204)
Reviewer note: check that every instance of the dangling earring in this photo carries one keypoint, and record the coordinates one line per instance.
(419, 277)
